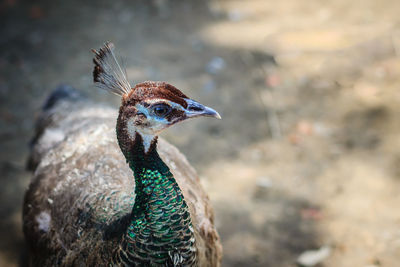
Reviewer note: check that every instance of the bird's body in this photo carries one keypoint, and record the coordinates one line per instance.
(88, 205)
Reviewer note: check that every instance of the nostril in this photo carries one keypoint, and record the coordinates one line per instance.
(196, 108)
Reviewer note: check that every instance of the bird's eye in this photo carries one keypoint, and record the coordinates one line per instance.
(161, 110)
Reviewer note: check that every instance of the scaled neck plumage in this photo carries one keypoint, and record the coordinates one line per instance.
(160, 231)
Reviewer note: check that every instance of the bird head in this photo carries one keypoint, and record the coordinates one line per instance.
(149, 107)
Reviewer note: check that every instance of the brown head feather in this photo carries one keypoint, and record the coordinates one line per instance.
(153, 90)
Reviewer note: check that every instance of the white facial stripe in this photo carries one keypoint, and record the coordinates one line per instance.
(147, 140)
(131, 128)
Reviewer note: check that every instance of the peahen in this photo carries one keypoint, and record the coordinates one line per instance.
(88, 204)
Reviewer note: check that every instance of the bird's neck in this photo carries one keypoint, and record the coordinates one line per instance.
(160, 228)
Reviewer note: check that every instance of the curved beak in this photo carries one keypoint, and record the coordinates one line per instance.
(195, 109)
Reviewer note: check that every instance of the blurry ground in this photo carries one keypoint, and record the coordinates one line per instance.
(308, 151)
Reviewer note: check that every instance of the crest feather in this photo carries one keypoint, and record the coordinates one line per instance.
(107, 73)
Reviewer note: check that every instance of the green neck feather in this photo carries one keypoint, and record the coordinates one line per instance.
(160, 230)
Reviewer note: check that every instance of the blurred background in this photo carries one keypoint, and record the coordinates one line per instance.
(305, 165)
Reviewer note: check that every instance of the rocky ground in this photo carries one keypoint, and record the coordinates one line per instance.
(307, 154)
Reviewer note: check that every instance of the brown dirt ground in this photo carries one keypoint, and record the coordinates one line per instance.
(308, 151)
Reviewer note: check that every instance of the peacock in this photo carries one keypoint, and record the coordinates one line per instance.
(88, 204)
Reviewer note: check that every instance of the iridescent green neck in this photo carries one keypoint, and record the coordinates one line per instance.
(160, 230)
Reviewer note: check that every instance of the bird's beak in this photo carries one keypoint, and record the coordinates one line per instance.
(195, 109)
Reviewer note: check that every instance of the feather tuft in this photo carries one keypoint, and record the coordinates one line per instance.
(108, 74)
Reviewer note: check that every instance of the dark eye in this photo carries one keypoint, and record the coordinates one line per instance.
(161, 110)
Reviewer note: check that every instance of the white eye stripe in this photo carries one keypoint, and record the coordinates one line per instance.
(156, 100)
